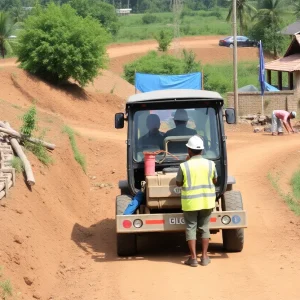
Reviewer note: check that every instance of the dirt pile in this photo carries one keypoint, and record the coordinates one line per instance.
(38, 227)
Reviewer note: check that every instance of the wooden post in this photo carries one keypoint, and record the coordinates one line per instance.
(202, 80)
(291, 80)
(269, 77)
(279, 80)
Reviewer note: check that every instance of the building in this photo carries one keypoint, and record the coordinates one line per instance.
(123, 11)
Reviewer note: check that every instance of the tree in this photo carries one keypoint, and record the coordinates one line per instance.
(164, 39)
(104, 12)
(209, 3)
(7, 28)
(244, 12)
(155, 63)
(297, 8)
(57, 44)
(268, 23)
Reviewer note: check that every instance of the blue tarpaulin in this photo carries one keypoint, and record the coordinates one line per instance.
(150, 82)
(271, 88)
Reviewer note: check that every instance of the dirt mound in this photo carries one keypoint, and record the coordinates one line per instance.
(74, 104)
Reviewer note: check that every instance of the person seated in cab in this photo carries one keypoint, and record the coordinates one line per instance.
(154, 138)
(180, 119)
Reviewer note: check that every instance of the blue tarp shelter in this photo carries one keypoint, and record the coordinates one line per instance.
(150, 82)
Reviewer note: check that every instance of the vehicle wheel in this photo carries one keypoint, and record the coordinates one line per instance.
(126, 242)
(233, 239)
(231, 46)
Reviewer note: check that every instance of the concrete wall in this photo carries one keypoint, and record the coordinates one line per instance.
(250, 102)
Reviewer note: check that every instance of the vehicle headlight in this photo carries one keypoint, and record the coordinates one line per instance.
(137, 223)
(226, 220)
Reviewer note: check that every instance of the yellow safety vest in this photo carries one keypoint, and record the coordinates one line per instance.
(198, 191)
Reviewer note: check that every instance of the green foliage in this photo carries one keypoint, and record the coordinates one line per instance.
(6, 290)
(105, 13)
(245, 11)
(39, 151)
(292, 203)
(203, 22)
(57, 44)
(219, 77)
(154, 63)
(296, 8)
(29, 125)
(296, 184)
(149, 18)
(164, 39)
(7, 28)
(79, 157)
(29, 121)
(17, 164)
(189, 58)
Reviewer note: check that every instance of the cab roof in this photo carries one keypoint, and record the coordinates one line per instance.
(174, 94)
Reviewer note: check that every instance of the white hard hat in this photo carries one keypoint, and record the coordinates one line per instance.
(195, 143)
(294, 114)
(181, 115)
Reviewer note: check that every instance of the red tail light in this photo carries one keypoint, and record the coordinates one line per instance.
(127, 224)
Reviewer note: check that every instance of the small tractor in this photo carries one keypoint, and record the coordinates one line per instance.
(160, 210)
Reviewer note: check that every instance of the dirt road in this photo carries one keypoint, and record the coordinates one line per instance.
(268, 268)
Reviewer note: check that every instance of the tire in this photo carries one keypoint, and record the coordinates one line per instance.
(231, 46)
(233, 239)
(126, 242)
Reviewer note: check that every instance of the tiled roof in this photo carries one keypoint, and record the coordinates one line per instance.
(292, 29)
(286, 64)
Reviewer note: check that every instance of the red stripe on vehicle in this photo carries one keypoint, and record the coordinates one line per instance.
(154, 222)
(213, 220)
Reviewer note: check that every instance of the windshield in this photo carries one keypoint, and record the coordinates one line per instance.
(170, 129)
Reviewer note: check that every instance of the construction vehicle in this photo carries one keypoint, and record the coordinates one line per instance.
(161, 209)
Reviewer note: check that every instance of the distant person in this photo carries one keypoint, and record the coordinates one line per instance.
(154, 138)
(197, 177)
(180, 119)
(285, 117)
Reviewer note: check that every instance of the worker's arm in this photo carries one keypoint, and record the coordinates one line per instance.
(215, 179)
(285, 124)
(289, 122)
(179, 177)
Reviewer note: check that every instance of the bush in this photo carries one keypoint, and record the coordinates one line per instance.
(29, 125)
(164, 39)
(154, 63)
(57, 44)
(149, 18)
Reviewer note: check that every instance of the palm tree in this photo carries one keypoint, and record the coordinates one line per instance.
(244, 10)
(6, 30)
(271, 13)
(297, 8)
(269, 18)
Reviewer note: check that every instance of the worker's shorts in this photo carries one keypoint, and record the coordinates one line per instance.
(198, 219)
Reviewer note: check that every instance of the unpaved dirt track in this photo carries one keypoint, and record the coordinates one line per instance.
(267, 269)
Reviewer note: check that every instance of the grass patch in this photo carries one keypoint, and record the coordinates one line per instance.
(292, 203)
(295, 182)
(79, 157)
(17, 164)
(6, 290)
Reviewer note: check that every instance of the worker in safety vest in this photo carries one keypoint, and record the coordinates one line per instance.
(197, 177)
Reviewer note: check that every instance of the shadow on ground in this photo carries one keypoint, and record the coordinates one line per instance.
(99, 240)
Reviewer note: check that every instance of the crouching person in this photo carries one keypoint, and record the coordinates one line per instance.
(197, 177)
